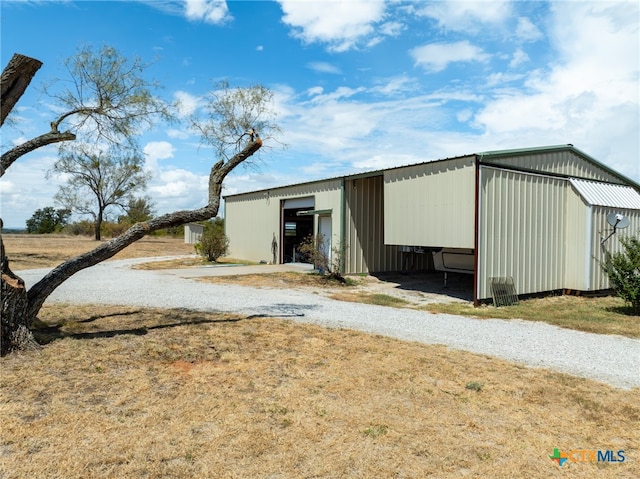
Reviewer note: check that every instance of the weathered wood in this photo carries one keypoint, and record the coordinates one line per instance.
(14, 81)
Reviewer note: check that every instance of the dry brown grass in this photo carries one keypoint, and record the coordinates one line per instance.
(285, 279)
(130, 393)
(46, 251)
(187, 263)
(601, 315)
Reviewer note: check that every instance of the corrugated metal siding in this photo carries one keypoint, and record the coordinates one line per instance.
(193, 233)
(252, 219)
(577, 243)
(521, 230)
(566, 163)
(364, 236)
(607, 194)
(601, 228)
(432, 204)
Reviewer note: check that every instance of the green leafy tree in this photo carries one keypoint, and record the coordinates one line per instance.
(623, 269)
(48, 220)
(98, 181)
(214, 242)
(137, 210)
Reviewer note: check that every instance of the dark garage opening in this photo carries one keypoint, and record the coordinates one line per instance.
(294, 230)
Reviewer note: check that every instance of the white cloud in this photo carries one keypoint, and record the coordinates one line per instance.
(339, 93)
(178, 189)
(527, 31)
(589, 96)
(394, 85)
(209, 11)
(177, 134)
(519, 57)
(435, 57)
(25, 188)
(187, 103)
(323, 67)
(341, 26)
(467, 16)
(316, 90)
(157, 150)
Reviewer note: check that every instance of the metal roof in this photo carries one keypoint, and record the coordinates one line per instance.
(480, 155)
(607, 194)
(553, 148)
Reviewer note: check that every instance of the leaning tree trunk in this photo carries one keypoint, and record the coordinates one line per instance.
(39, 292)
(14, 327)
(19, 306)
(14, 332)
(18, 316)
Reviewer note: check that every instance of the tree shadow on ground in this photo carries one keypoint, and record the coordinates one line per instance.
(46, 334)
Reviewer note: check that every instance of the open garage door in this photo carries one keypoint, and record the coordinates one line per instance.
(294, 228)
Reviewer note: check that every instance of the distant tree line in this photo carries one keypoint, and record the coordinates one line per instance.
(51, 220)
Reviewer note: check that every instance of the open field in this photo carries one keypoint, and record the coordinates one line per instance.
(46, 251)
(133, 393)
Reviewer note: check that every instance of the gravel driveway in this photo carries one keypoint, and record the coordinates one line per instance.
(614, 360)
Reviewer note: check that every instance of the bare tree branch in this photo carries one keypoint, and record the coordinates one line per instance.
(50, 138)
(43, 288)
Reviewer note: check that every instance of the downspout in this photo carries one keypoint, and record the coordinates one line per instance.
(343, 250)
(476, 242)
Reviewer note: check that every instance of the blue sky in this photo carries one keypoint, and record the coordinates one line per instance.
(359, 85)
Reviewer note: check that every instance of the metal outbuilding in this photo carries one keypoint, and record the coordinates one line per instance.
(536, 215)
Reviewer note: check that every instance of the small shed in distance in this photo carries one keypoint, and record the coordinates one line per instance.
(536, 215)
(193, 233)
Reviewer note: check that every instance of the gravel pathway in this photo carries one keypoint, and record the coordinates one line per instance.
(614, 360)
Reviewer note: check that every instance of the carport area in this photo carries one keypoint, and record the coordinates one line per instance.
(425, 287)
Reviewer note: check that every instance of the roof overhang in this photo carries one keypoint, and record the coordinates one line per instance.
(608, 195)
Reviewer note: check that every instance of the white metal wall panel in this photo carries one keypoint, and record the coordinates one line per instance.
(601, 228)
(432, 204)
(252, 219)
(565, 162)
(577, 242)
(521, 231)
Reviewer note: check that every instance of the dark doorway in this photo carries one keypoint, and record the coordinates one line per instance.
(294, 230)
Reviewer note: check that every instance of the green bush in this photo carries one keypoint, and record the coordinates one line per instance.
(79, 228)
(213, 243)
(623, 269)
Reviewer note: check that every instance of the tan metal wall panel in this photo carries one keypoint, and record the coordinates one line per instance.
(559, 162)
(432, 204)
(366, 251)
(252, 219)
(521, 231)
(601, 228)
(577, 242)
